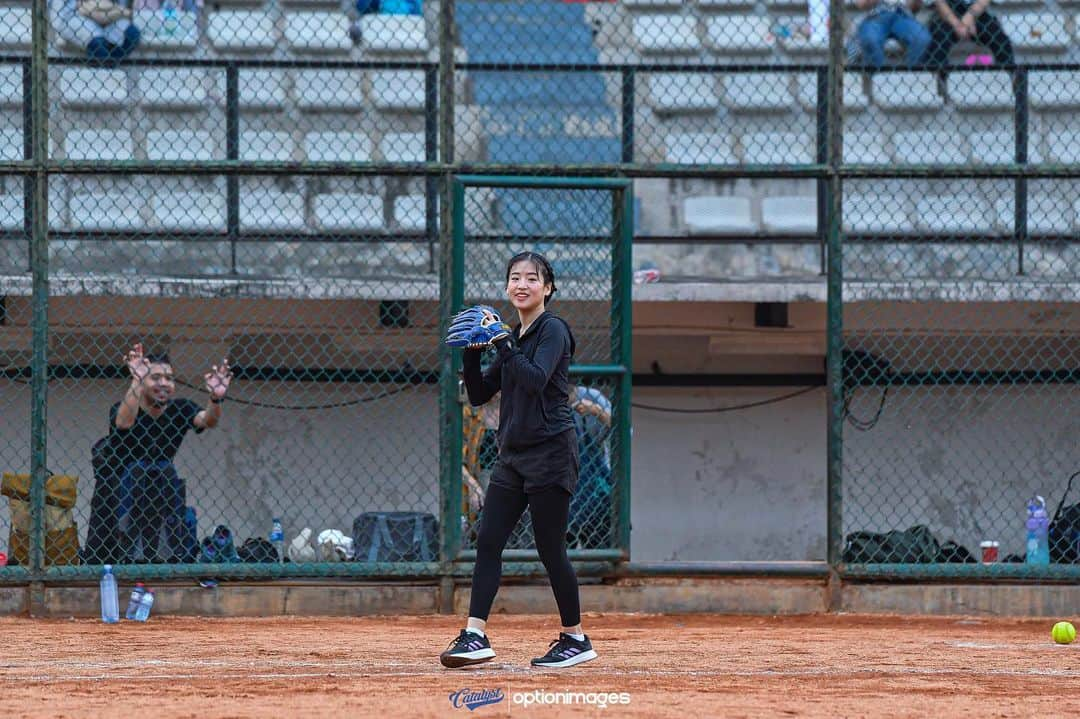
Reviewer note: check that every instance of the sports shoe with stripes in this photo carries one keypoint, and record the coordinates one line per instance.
(566, 652)
(468, 648)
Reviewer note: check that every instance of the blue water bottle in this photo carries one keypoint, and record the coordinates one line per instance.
(133, 602)
(277, 538)
(1038, 532)
(142, 613)
(110, 606)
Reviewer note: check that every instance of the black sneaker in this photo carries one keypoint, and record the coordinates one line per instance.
(566, 652)
(468, 648)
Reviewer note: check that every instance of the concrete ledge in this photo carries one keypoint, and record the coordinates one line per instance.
(675, 595)
(1027, 600)
(667, 594)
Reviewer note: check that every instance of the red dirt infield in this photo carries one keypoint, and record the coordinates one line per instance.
(694, 666)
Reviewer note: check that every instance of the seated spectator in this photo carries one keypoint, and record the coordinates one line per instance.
(967, 20)
(891, 19)
(103, 27)
(138, 509)
(389, 7)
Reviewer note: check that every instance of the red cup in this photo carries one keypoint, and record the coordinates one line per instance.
(989, 551)
(3, 559)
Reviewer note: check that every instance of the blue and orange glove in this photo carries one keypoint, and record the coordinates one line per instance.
(476, 327)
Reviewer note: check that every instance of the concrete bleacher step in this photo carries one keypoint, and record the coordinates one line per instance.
(398, 90)
(179, 33)
(349, 212)
(1054, 89)
(11, 86)
(986, 91)
(1037, 31)
(666, 34)
(15, 28)
(337, 147)
(394, 33)
(112, 212)
(241, 31)
(927, 148)
(958, 214)
(758, 92)
(180, 145)
(403, 147)
(260, 89)
(700, 148)
(877, 214)
(866, 148)
(854, 96)
(719, 215)
(567, 150)
(673, 93)
(328, 89)
(739, 34)
(538, 89)
(906, 91)
(171, 87)
(775, 148)
(98, 144)
(11, 144)
(266, 146)
(1048, 214)
(93, 88)
(269, 210)
(189, 211)
(12, 212)
(410, 213)
(323, 33)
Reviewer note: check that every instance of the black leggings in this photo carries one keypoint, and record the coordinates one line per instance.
(988, 32)
(550, 509)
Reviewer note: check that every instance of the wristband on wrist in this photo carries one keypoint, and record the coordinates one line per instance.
(217, 400)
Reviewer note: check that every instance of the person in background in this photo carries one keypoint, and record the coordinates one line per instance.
(590, 509)
(103, 27)
(891, 19)
(967, 20)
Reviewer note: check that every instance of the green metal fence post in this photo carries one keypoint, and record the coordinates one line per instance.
(621, 339)
(39, 268)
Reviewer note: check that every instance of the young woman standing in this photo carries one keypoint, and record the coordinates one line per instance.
(537, 465)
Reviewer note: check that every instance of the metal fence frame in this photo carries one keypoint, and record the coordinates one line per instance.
(439, 170)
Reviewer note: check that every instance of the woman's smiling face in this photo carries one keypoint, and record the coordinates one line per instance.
(526, 287)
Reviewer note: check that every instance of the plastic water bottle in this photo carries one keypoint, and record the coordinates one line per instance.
(169, 19)
(1038, 531)
(142, 613)
(133, 602)
(110, 607)
(277, 538)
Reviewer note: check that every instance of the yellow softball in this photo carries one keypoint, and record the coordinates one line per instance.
(1063, 633)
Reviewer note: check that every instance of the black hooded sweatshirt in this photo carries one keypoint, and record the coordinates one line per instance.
(533, 373)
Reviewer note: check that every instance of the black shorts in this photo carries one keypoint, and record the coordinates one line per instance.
(552, 462)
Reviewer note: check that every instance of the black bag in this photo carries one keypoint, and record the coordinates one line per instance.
(1065, 530)
(104, 543)
(915, 545)
(258, 550)
(956, 554)
(395, 537)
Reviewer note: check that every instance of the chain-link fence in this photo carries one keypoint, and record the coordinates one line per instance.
(262, 181)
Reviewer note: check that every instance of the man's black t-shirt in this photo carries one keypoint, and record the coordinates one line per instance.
(153, 439)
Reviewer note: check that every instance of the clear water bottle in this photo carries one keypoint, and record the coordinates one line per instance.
(169, 19)
(110, 605)
(133, 602)
(147, 601)
(277, 538)
(1038, 532)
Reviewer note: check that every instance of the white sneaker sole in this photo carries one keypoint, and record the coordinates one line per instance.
(578, 659)
(456, 661)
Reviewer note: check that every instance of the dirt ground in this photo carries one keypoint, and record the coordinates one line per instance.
(692, 666)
